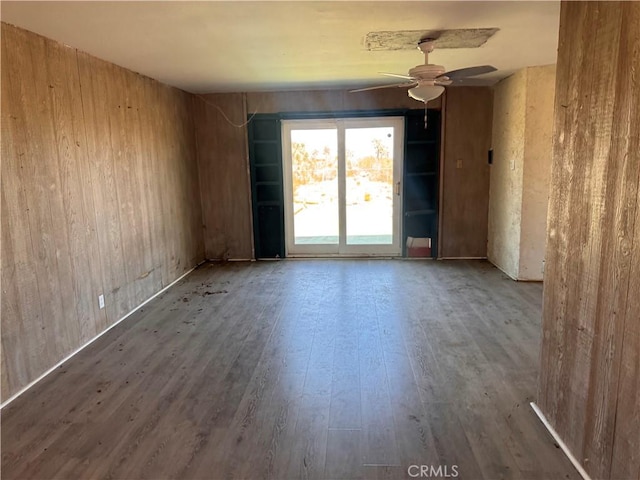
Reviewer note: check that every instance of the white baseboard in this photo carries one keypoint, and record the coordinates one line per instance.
(563, 445)
(502, 270)
(462, 258)
(221, 260)
(24, 389)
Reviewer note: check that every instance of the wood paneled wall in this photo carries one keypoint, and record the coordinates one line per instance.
(223, 154)
(590, 361)
(223, 162)
(332, 101)
(465, 176)
(99, 196)
(222, 157)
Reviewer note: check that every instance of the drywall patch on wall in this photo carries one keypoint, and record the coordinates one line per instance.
(537, 170)
(506, 177)
(409, 39)
(520, 174)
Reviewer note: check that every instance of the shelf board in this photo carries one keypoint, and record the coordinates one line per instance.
(415, 213)
(421, 174)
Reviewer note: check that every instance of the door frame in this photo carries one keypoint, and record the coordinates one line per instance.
(341, 124)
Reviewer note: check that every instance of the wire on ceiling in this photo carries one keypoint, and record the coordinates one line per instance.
(224, 115)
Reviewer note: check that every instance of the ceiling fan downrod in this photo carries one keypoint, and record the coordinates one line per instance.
(426, 46)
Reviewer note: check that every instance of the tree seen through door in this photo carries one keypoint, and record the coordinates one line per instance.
(369, 191)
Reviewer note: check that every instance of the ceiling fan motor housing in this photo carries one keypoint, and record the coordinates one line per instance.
(426, 71)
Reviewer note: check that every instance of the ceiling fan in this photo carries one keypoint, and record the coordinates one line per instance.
(428, 80)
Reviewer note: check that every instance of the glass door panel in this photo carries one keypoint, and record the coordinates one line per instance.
(314, 172)
(341, 184)
(369, 186)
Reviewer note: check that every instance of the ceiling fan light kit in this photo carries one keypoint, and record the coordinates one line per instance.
(425, 93)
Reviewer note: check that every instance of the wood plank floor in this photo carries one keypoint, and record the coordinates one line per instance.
(301, 369)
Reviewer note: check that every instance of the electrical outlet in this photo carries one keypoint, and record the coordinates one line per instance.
(459, 163)
(101, 301)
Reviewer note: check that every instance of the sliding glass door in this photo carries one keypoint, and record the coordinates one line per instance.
(342, 186)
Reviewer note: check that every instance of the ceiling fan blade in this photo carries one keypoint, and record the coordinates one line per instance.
(397, 75)
(406, 84)
(468, 72)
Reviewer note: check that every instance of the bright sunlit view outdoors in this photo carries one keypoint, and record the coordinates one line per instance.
(315, 186)
(369, 186)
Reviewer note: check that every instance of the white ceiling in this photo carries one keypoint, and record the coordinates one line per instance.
(214, 46)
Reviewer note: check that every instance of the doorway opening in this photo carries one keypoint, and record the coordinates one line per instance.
(342, 190)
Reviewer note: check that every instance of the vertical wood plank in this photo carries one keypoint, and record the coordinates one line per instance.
(465, 185)
(625, 461)
(19, 283)
(101, 130)
(77, 202)
(589, 360)
(223, 171)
